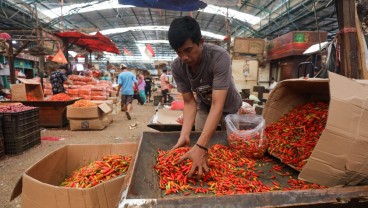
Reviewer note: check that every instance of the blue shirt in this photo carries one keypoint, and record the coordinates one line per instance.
(127, 79)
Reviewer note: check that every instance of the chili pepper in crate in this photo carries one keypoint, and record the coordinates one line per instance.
(293, 138)
(111, 166)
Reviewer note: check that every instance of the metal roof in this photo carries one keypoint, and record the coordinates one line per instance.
(277, 18)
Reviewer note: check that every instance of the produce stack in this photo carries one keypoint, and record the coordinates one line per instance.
(88, 88)
(21, 127)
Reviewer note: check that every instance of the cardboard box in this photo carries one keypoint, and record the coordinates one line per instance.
(19, 92)
(249, 45)
(39, 184)
(340, 156)
(108, 102)
(91, 124)
(93, 112)
(114, 99)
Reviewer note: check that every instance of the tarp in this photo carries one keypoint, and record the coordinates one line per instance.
(175, 5)
(97, 42)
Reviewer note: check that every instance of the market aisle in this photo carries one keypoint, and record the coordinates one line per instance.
(121, 130)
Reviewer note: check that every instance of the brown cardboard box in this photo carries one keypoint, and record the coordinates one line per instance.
(19, 92)
(249, 45)
(88, 124)
(108, 102)
(114, 99)
(39, 184)
(87, 113)
(340, 156)
(91, 124)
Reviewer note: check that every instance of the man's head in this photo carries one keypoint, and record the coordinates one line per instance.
(186, 39)
(164, 70)
(122, 66)
(63, 69)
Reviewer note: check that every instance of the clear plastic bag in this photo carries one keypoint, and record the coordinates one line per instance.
(245, 133)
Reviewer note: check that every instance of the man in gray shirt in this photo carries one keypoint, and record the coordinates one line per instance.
(206, 70)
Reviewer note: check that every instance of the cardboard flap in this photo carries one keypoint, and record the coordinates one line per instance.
(17, 189)
(105, 108)
(18, 92)
(28, 81)
(340, 156)
(343, 88)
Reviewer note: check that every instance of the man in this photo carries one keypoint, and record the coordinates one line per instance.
(126, 79)
(164, 86)
(148, 88)
(57, 79)
(272, 84)
(206, 70)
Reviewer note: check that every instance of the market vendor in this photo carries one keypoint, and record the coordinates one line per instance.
(206, 70)
(57, 79)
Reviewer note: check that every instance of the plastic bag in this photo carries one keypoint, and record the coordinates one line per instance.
(246, 108)
(245, 133)
(177, 105)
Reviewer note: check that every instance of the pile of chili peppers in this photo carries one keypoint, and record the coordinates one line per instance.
(109, 167)
(83, 104)
(60, 97)
(293, 138)
(249, 145)
(31, 98)
(230, 173)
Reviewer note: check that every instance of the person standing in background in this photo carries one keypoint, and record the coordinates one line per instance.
(141, 88)
(126, 79)
(148, 88)
(273, 84)
(57, 79)
(164, 86)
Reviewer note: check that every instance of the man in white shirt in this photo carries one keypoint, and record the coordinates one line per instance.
(272, 84)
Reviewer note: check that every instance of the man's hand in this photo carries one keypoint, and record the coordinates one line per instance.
(182, 142)
(199, 160)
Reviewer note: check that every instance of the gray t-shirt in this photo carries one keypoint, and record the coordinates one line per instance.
(214, 72)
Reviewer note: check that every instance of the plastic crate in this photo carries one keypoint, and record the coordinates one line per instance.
(19, 124)
(12, 131)
(2, 148)
(19, 145)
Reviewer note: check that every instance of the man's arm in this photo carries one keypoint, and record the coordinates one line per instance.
(189, 113)
(197, 153)
(214, 116)
(119, 87)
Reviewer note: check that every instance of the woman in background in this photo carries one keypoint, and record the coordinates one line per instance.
(141, 87)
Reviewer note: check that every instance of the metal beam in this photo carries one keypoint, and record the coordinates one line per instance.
(296, 19)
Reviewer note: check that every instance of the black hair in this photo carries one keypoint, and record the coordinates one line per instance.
(63, 67)
(184, 28)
